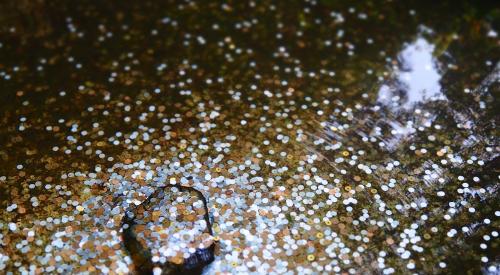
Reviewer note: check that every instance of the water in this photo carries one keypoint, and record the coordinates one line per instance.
(327, 136)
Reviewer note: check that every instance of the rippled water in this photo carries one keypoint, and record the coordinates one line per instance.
(257, 137)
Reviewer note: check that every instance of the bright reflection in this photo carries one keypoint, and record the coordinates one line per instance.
(418, 77)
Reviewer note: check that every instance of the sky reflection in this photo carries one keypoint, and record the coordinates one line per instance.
(417, 78)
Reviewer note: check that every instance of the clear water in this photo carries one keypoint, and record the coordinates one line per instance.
(327, 136)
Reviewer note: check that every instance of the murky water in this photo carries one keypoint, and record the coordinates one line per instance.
(320, 136)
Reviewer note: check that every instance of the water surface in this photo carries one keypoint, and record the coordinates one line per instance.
(326, 136)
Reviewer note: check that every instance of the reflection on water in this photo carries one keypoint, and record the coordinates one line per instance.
(417, 79)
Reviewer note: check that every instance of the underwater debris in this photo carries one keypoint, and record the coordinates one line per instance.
(140, 251)
(272, 110)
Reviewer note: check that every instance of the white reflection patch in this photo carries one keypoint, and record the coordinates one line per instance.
(418, 77)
